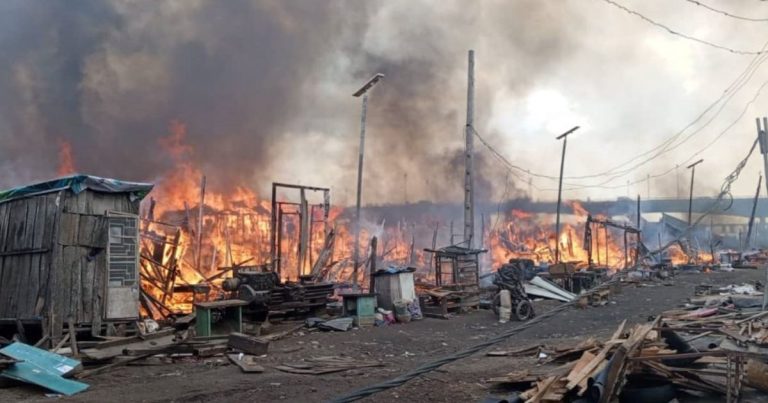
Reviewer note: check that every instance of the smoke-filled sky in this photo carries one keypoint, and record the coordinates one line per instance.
(264, 89)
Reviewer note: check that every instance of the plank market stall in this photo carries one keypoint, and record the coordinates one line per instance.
(69, 255)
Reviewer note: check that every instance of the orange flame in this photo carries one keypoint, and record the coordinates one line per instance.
(66, 162)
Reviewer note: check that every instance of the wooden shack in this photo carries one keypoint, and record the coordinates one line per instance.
(456, 265)
(69, 250)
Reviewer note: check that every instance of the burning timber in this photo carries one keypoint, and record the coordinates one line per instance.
(116, 286)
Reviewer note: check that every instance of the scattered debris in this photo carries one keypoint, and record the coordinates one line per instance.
(327, 365)
(42, 368)
(247, 363)
(653, 358)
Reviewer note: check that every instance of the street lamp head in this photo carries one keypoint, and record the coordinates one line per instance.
(567, 133)
(696, 163)
(375, 79)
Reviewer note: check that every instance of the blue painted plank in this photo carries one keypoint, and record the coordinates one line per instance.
(42, 368)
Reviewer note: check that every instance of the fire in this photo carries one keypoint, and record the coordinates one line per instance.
(531, 236)
(235, 229)
(66, 162)
(180, 250)
(678, 256)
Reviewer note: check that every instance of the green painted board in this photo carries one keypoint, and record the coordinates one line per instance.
(42, 368)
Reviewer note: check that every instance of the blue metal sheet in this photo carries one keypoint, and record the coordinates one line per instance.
(42, 368)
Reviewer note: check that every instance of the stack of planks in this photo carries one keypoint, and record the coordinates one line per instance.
(652, 352)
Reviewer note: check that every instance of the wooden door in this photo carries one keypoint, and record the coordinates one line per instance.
(123, 267)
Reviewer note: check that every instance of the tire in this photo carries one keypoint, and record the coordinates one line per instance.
(524, 311)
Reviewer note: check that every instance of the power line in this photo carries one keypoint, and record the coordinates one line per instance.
(733, 88)
(691, 157)
(727, 14)
(680, 34)
(725, 190)
(738, 83)
(664, 147)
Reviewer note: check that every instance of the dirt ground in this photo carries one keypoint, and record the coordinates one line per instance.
(401, 347)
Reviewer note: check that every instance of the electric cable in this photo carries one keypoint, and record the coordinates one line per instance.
(680, 34)
(727, 14)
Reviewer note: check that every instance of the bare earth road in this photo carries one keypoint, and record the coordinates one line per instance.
(400, 347)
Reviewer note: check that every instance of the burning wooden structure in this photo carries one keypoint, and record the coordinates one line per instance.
(461, 264)
(69, 254)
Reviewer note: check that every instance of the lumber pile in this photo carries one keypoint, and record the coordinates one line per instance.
(653, 353)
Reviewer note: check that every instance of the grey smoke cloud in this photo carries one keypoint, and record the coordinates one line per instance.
(264, 88)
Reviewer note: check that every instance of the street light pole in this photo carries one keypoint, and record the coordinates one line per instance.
(692, 167)
(762, 139)
(563, 136)
(364, 92)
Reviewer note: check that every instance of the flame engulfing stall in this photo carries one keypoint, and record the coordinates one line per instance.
(194, 236)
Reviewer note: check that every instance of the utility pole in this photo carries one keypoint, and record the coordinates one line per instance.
(364, 92)
(648, 184)
(762, 138)
(745, 245)
(692, 167)
(469, 194)
(677, 179)
(405, 188)
(530, 188)
(563, 136)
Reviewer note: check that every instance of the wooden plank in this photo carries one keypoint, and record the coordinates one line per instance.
(116, 350)
(53, 293)
(72, 337)
(18, 219)
(69, 229)
(43, 271)
(26, 286)
(46, 240)
(246, 363)
(76, 286)
(98, 288)
(4, 225)
(248, 344)
(4, 222)
(64, 285)
(86, 295)
(11, 272)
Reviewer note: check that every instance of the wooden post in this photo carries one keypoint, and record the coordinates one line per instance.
(73, 336)
(303, 232)
(228, 240)
(434, 246)
(372, 261)
(607, 263)
(200, 223)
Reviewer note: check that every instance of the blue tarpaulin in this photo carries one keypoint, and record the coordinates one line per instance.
(42, 368)
(79, 183)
